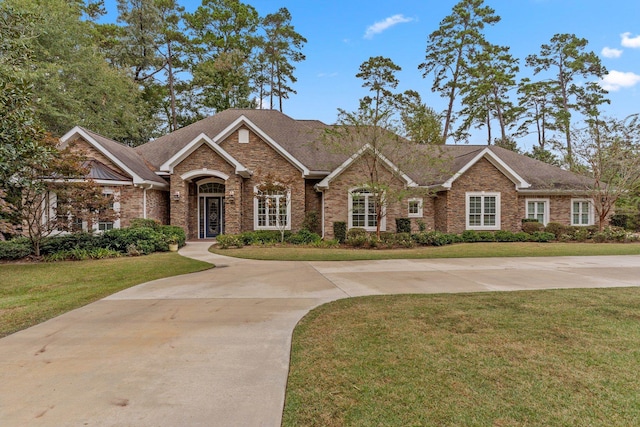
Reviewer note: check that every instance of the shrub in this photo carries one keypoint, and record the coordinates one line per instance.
(263, 237)
(15, 249)
(357, 237)
(340, 231)
(541, 236)
(303, 237)
(226, 241)
(387, 239)
(356, 231)
(68, 242)
(145, 240)
(403, 225)
(173, 233)
(556, 229)
(404, 240)
(470, 236)
(145, 223)
(613, 234)
(532, 226)
(486, 236)
(506, 236)
(580, 234)
(328, 243)
(311, 222)
(521, 236)
(421, 225)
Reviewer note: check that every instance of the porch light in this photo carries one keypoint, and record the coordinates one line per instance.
(176, 195)
(232, 196)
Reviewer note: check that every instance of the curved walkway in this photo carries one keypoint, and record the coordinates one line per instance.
(212, 348)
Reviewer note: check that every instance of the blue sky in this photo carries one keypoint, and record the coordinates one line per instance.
(343, 34)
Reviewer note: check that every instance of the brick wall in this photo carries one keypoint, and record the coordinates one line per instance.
(256, 156)
(559, 207)
(261, 159)
(336, 197)
(131, 198)
(184, 211)
(482, 176)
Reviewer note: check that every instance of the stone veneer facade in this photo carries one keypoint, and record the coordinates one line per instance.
(258, 157)
(336, 199)
(443, 211)
(482, 176)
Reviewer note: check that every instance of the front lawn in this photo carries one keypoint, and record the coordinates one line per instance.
(552, 358)
(462, 250)
(33, 293)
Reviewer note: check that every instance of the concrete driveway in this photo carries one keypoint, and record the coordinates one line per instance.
(212, 348)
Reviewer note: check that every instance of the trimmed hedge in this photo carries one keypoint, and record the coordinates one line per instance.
(403, 225)
(340, 231)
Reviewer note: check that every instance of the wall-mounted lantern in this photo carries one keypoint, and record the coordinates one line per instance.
(176, 196)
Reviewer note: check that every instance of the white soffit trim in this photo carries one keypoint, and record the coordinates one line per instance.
(324, 184)
(84, 135)
(204, 172)
(244, 120)
(495, 161)
(196, 143)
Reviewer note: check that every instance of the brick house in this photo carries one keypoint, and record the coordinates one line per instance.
(204, 178)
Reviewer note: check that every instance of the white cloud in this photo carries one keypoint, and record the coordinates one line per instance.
(617, 80)
(380, 26)
(628, 41)
(608, 52)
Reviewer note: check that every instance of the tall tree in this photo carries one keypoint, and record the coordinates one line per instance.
(151, 42)
(74, 83)
(449, 49)
(485, 91)
(372, 131)
(223, 32)
(566, 60)
(535, 103)
(140, 21)
(420, 123)
(281, 47)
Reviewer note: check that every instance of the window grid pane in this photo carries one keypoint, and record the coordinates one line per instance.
(482, 211)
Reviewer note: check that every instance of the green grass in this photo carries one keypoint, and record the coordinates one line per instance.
(33, 293)
(464, 250)
(544, 358)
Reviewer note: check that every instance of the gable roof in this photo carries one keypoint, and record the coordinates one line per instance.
(198, 141)
(293, 139)
(367, 148)
(121, 155)
(537, 175)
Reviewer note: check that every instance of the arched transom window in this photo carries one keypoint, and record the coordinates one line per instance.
(212, 188)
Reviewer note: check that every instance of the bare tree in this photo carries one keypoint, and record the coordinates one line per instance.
(610, 150)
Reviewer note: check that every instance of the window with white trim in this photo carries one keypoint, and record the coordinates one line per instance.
(363, 210)
(107, 225)
(581, 212)
(483, 211)
(415, 208)
(538, 209)
(272, 210)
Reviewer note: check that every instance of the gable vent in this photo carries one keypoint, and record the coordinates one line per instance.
(243, 136)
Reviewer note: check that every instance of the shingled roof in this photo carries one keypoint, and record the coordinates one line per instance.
(302, 140)
(122, 155)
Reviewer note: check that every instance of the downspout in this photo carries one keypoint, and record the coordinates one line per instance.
(322, 212)
(144, 202)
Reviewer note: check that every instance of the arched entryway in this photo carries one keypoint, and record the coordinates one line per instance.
(210, 207)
